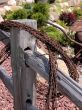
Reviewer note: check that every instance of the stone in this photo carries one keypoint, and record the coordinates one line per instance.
(3, 1)
(29, 1)
(15, 7)
(1, 19)
(54, 16)
(74, 2)
(7, 8)
(2, 11)
(12, 2)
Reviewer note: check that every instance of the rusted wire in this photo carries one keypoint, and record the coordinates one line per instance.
(53, 47)
(5, 53)
(52, 93)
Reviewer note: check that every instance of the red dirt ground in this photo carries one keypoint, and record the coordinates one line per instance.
(6, 100)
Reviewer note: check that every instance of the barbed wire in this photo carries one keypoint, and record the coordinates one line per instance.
(52, 46)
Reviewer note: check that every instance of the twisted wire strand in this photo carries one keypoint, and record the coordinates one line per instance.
(53, 46)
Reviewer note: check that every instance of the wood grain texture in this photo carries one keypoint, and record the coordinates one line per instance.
(6, 79)
(66, 84)
(23, 77)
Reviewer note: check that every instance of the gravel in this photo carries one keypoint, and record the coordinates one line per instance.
(6, 100)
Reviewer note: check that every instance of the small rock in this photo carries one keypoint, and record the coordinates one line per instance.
(29, 1)
(1, 19)
(7, 8)
(12, 2)
(53, 16)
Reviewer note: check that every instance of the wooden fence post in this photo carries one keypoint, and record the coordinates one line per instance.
(23, 77)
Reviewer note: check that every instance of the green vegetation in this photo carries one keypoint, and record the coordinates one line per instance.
(17, 14)
(68, 17)
(78, 13)
(40, 19)
(39, 12)
(28, 6)
(55, 34)
(62, 23)
(41, 8)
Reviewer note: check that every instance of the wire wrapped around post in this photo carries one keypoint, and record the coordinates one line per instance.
(53, 46)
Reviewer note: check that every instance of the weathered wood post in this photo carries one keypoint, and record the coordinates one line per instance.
(23, 76)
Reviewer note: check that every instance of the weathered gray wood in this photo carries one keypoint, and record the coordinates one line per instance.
(4, 34)
(38, 63)
(6, 79)
(70, 88)
(23, 76)
(66, 85)
(31, 107)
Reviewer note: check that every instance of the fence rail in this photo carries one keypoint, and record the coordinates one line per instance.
(66, 84)
(26, 64)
